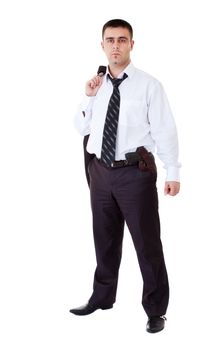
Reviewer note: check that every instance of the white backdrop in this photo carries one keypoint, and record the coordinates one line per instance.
(48, 50)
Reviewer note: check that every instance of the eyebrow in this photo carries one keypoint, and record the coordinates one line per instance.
(112, 37)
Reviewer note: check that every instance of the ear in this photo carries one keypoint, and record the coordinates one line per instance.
(102, 45)
(132, 44)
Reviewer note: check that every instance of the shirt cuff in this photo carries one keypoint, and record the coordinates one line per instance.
(173, 174)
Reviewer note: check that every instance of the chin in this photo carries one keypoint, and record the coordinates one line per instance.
(115, 61)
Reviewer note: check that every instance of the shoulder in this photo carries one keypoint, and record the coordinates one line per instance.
(141, 75)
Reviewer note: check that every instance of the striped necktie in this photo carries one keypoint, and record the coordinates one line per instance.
(111, 123)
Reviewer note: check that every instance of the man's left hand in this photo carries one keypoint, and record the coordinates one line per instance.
(171, 188)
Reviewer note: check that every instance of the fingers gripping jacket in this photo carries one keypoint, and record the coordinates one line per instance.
(101, 70)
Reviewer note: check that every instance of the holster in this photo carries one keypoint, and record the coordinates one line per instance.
(147, 160)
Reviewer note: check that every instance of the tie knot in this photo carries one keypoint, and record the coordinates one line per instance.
(116, 82)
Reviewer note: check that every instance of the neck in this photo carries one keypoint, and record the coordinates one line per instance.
(115, 69)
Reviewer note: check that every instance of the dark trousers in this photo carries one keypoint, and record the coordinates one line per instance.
(128, 195)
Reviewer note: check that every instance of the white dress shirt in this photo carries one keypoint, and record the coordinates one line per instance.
(145, 119)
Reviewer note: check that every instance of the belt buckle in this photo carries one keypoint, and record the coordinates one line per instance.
(119, 163)
(115, 164)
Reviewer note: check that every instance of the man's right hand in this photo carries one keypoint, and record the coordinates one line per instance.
(93, 85)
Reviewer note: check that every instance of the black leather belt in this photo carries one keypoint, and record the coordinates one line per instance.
(123, 163)
(143, 158)
(133, 159)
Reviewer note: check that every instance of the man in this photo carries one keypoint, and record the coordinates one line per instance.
(127, 115)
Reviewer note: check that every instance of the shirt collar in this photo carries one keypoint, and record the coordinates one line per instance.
(129, 70)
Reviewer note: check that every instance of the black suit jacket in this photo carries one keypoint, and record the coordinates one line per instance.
(87, 158)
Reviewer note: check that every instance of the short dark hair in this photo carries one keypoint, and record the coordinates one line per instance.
(115, 23)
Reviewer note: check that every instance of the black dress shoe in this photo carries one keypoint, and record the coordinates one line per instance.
(155, 324)
(89, 309)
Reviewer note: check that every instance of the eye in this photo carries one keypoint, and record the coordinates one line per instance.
(122, 40)
(110, 41)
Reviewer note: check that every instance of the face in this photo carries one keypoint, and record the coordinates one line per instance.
(117, 45)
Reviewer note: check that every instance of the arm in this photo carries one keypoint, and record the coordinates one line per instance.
(83, 116)
(164, 133)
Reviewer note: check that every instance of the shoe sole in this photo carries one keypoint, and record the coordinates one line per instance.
(107, 307)
(79, 313)
(151, 331)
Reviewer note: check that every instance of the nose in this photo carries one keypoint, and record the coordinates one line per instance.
(116, 45)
